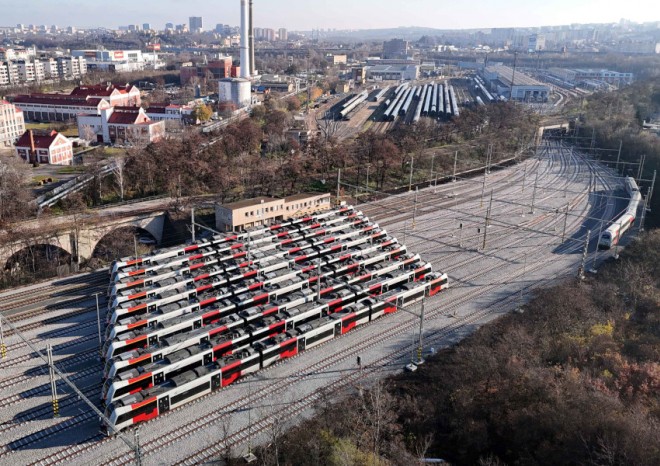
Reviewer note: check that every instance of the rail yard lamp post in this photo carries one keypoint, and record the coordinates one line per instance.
(98, 323)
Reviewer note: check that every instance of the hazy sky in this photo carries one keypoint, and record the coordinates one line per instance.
(340, 14)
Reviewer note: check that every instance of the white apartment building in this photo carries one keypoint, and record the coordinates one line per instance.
(12, 124)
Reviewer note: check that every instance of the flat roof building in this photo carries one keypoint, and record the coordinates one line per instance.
(393, 72)
(264, 210)
(501, 79)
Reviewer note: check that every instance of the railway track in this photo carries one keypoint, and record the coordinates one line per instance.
(76, 285)
(379, 337)
(540, 222)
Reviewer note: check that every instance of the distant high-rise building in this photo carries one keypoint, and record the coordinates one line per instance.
(169, 26)
(282, 34)
(270, 35)
(146, 27)
(395, 48)
(196, 24)
(536, 42)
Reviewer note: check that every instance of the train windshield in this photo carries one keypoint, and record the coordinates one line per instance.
(107, 367)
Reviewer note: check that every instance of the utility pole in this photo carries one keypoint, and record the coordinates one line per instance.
(318, 278)
(600, 232)
(3, 347)
(368, 166)
(421, 334)
(513, 75)
(483, 245)
(460, 235)
(412, 161)
(433, 164)
(618, 157)
(135, 245)
(338, 183)
(455, 161)
(138, 452)
(53, 382)
(524, 178)
(483, 189)
(534, 193)
(98, 323)
(650, 194)
(641, 224)
(641, 166)
(584, 255)
(415, 207)
(490, 206)
(192, 223)
(563, 234)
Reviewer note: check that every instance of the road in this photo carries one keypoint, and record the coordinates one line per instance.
(490, 275)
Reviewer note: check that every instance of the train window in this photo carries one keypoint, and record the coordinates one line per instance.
(190, 393)
(413, 296)
(319, 336)
(142, 384)
(147, 408)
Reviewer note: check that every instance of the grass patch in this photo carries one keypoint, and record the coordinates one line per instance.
(70, 169)
(68, 131)
(111, 151)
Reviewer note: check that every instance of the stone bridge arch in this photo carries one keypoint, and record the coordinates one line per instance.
(90, 237)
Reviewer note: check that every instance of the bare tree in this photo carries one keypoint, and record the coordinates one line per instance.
(118, 165)
(328, 127)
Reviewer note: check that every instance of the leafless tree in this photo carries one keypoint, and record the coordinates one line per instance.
(328, 127)
(118, 165)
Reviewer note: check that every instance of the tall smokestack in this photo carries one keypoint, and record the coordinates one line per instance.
(245, 48)
(251, 42)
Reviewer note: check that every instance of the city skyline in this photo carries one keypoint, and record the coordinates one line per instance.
(340, 14)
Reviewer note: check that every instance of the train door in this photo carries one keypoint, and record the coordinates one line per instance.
(197, 324)
(301, 344)
(158, 378)
(338, 328)
(153, 340)
(208, 358)
(216, 381)
(163, 405)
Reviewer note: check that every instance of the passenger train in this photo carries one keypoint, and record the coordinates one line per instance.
(621, 224)
(187, 321)
(149, 402)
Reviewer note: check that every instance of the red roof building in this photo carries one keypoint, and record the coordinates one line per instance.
(45, 147)
(121, 125)
(83, 99)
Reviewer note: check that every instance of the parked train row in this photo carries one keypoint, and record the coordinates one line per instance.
(430, 100)
(195, 377)
(214, 311)
(612, 235)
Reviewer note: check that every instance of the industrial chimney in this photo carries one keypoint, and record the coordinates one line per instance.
(251, 41)
(245, 47)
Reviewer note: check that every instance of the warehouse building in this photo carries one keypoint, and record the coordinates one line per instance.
(393, 72)
(574, 76)
(501, 79)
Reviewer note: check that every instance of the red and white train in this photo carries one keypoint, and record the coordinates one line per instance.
(621, 224)
(188, 385)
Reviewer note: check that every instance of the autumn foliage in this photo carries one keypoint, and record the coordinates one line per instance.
(574, 380)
